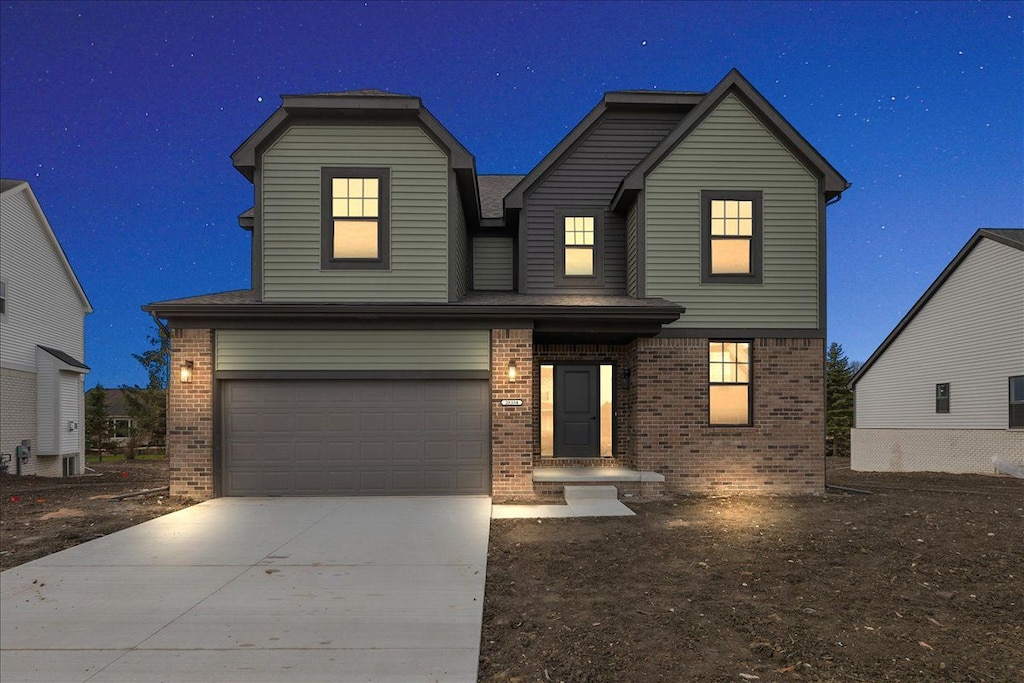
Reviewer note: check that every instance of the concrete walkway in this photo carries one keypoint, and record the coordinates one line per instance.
(259, 589)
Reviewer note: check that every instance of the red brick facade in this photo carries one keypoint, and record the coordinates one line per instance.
(190, 415)
(512, 427)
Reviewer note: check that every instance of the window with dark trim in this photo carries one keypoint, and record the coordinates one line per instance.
(3, 298)
(355, 212)
(942, 398)
(731, 236)
(579, 252)
(1017, 402)
(730, 400)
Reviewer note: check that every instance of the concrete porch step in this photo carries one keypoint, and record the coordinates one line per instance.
(609, 475)
(580, 501)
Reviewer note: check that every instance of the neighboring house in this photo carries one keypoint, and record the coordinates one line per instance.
(651, 296)
(42, 341)
(120, 422)
(945, 390)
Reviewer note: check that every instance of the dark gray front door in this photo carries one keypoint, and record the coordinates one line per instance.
(355, 437)
(576, 411)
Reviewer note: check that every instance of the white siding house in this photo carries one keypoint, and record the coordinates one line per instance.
(938, 395)
(42, 342)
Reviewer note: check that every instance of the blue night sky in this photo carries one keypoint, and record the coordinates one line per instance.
(123, 116)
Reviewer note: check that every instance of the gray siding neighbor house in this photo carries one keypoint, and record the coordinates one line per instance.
(945, 391)
(42, 343)
(648, 300)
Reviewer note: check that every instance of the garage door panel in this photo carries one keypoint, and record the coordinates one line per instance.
(346, 437)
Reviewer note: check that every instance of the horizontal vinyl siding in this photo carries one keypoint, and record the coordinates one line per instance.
(631, 255)
(291, 215)
(71, 404)
(460, 243)
(353, 350)
(43, 306)
(492, 263)
(588, 178)
(732, 150)
(970, 334)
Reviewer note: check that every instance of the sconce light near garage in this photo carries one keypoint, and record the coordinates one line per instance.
(511, 371)
(186, 372)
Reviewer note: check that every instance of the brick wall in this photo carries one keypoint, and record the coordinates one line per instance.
(935, 450)
(190, 416)
(512, 428)
(781, 452)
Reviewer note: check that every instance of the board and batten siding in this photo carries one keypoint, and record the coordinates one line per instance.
(631, 250)
(969, 334)
(299, 350)
(43, 306)
(732, 150)
(291, 215)
(587, 178)
(492, 264)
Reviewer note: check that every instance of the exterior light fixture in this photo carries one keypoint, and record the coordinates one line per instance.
(186, 372)
(511, 371)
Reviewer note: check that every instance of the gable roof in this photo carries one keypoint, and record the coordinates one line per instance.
(113, 399)
(734, 82)
(11, 187)
(1011, 238)
(612, 100)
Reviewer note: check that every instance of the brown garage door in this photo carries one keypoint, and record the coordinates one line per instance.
(345, 437)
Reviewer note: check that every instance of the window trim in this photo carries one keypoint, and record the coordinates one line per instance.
(756, 237)
(942, 402)
(749, 383)
(383, 260)
(595, 280)
(1011, 403)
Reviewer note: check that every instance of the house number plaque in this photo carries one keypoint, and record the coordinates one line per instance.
(511, 401)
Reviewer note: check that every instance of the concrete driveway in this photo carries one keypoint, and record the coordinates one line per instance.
(259, 589)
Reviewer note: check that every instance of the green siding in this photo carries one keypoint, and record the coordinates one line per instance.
(492, 263)
(291, 215)
(353, 350)
(732, 150)
(460, 242)
(631, 264)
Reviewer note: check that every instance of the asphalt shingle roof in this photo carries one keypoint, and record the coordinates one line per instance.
(493, 189)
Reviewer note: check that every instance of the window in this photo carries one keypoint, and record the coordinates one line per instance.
(355, 230)
(578, 239)
(730, 236)
(3, 298)
(1017, 401)
(942, 398)
(730, 397)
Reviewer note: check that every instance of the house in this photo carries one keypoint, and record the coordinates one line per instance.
(118, 419)
(42, 342)
(649, 300)
(945, 391)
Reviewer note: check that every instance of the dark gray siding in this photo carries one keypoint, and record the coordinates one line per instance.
(587, 177)
(458, 259)
(631, 250)
(492, 263)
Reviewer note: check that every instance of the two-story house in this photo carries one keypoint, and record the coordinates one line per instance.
(42, 342)
(650, 298)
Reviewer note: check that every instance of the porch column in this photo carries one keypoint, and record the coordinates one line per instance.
(512, 426)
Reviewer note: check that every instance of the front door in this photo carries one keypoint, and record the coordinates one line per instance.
(576, 411)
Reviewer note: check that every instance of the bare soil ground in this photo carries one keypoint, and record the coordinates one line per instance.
(921, 581)
(43, 515)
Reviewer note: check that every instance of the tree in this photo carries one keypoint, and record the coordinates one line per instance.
(147, 406)
(838, 400)
(97, 420)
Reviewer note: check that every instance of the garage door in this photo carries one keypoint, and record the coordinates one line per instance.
(344, 437)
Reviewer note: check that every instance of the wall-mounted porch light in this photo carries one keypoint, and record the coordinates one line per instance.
(186, 372)
(511, 371)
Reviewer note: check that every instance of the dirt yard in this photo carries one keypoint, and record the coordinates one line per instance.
(921, 581)
(42, 515)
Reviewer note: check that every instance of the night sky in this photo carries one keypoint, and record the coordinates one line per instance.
(123, 116)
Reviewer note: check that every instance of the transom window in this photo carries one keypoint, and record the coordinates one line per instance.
(579, 246)
(729, 379)
(1017, 402)
(731, 236)
(355, 230)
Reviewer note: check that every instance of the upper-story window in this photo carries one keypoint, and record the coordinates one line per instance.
(1017, 401)
(355, 227)
(942, 397)
(580, 250)
(731, 228)
(3, 298)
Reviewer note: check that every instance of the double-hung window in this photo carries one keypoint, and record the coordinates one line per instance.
(579, 250)
(1017, 402)
(730, 398)
(355, 227)
(942, 397)
(731, 227)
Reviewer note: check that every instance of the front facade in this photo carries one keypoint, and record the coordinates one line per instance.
(42, 343)
(945, 391)
(650, 297)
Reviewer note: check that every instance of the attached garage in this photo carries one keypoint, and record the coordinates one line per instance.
(380, 429)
